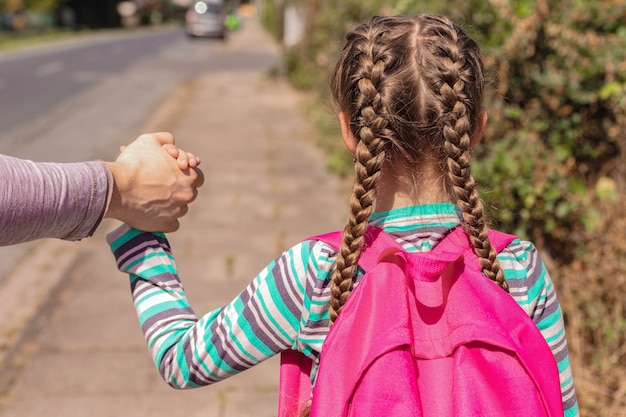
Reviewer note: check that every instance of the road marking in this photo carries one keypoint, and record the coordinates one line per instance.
(49, 68)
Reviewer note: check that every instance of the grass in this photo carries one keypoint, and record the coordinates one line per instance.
(16, 40)
(11, 41)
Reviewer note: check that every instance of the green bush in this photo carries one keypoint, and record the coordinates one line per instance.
(556, 101)
(552, 164)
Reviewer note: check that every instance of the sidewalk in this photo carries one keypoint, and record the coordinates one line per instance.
(266, 188)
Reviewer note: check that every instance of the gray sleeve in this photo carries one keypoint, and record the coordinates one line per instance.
(51, 200)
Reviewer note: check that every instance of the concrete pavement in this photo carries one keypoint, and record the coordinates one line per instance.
(266, 188)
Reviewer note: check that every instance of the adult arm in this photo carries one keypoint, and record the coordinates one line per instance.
(147, 186)
(39, 200)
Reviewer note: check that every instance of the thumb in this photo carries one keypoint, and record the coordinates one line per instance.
(163, 138)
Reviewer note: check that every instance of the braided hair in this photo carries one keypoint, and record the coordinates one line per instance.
(411, 88)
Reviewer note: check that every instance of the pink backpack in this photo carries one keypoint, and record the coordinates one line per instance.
(425, 334)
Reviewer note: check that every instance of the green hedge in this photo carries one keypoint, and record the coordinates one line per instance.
(552, 164)
(558, 70)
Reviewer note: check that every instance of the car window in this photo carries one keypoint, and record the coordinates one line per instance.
(202, 7)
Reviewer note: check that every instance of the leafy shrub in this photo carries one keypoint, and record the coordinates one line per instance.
(552, 165)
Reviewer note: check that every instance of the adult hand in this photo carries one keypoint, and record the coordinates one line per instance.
(153, 182)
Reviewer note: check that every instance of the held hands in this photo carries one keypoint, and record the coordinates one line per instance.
(153, 182)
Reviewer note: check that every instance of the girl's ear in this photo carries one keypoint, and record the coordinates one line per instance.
(346, 133)
(479, 130)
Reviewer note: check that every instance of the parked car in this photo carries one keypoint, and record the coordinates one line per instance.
(206, 18)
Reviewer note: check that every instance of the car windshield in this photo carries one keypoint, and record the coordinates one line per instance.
(202, 7)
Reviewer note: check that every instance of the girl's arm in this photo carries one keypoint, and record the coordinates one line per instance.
(190, 351)
(533, 289)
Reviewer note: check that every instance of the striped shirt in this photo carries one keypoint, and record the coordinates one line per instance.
(286, 304)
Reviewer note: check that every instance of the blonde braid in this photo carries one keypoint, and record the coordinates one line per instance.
(368, 119)
(456, 72)
(412, 90)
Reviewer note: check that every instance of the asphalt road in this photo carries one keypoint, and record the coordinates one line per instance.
(83, 98)
(70, 345)
(56, 100)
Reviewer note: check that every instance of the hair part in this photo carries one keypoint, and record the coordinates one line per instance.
(412, 88)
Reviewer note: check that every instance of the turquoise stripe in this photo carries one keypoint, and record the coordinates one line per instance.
(175, 327)
(572, 412)
(426, 244)
(161, 307)
(179, 357)
(319, 316)
(248, 334)
(538, 290)
(549, 321)
(319, 302)
(516, 274)
(278, 305)
(409, 228)
(293, 321)
(128, 236)
(250, 338)
(145, 257)
(204, 324)
(223, 366)
(524, 256)
(158, 292)
(199, 361)
(167, 342)
(158, 270)
(124, 238)
(425, 210)
(308, 342)
(563, 365)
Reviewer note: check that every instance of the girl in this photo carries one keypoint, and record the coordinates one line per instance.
(409, 96)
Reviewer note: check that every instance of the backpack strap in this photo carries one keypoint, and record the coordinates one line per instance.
(294, 390)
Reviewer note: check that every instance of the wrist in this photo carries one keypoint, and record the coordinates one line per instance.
(114, 206)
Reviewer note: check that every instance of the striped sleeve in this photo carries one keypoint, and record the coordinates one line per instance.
(264, 319)
(531, 286)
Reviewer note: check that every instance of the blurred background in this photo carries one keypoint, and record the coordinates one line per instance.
(552, 165)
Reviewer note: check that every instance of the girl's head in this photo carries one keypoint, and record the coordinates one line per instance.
(410, 92)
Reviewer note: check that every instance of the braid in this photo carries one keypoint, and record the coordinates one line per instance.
(411, 88)
(368, 119)
(455, 74)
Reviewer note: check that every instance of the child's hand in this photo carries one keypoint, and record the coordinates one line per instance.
(185, 159)
(153, 182)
